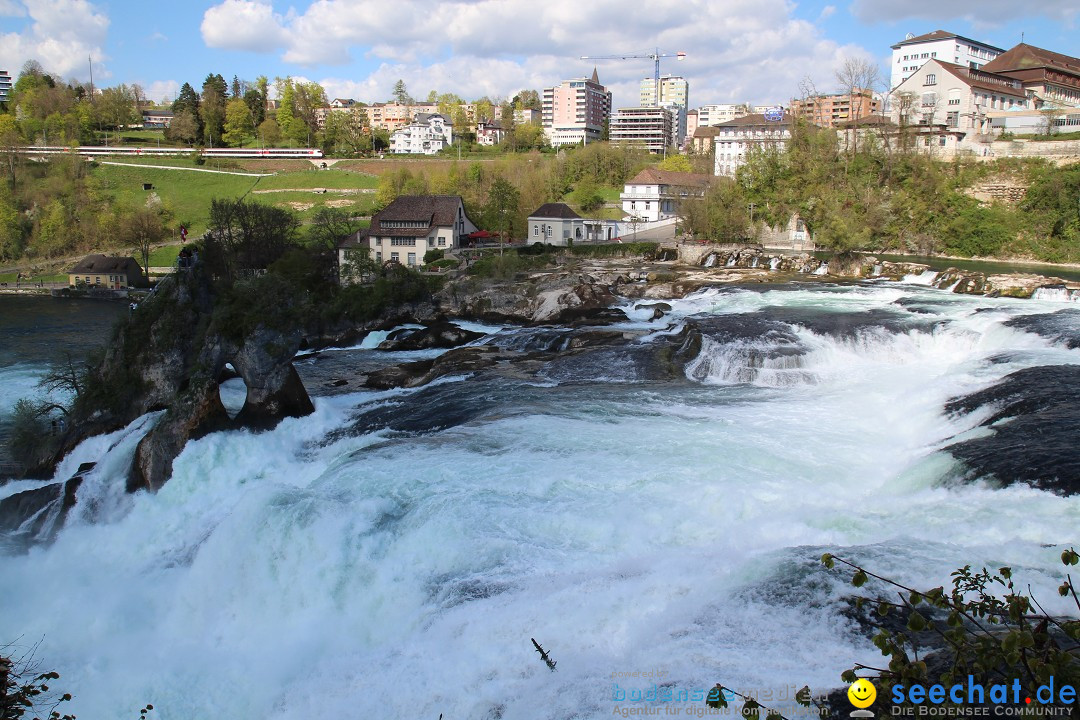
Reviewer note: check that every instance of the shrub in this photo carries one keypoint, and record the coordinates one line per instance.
(432, 255)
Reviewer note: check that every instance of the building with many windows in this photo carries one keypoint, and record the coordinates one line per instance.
(654, 195)
(913, 51)
(715, 114)
(404, 231)
(427, 134)
(832, 111)
(1053, 78)
(654, 128)
(673, 89)
(576, 112)
(737, 137)
(958, 99)
(5, 85)
(558, 224)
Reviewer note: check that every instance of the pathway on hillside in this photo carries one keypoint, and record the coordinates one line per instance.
(189, 169)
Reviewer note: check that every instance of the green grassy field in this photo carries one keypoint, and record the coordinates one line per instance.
(186, 195)
(331, 178)
(11, 278)
(163, 256)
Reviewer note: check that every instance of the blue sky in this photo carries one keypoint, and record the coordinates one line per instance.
(737, 50)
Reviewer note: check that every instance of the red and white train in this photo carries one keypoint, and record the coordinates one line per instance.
(303, 153)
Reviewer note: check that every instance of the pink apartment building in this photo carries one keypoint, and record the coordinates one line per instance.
(576, 112)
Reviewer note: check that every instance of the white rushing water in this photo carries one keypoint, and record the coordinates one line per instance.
(627, 527)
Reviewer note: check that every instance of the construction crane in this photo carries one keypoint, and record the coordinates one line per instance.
(654, 56)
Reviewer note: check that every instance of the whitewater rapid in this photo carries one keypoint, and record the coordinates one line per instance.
(358, 562)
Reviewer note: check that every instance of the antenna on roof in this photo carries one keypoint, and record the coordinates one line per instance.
(1021, 36)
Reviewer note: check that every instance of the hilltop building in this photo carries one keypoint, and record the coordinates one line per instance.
(654, 128)
(576, 112)
(5, 85)
(913, 51)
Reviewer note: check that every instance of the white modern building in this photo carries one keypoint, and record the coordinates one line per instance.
(5, 85)
(715, 114)
(653, 195)
(736, 138)
(576, 112)
(427, 134)
(913, 52)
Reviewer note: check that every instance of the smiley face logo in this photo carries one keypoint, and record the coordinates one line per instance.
(862, 693)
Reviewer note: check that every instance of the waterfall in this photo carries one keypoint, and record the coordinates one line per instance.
(774, 263)
(711, 260)
(1056, 293)
(823, 269)
(731, 261)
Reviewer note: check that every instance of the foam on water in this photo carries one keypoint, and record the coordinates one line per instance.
(302, 572)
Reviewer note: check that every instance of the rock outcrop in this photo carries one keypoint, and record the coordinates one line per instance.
(35, 515)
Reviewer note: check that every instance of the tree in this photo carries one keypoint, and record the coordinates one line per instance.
(184, 127)
(212, 107)
(720, 215)
(401, 94)
(588, 196)
(676, 163)
(239, 125)
(329, 226)
(143, 228)
(500, 212)
(116, 107)
(9, 144)
(857, 78)
(346, 132)
(245, 235)
(527, 100)
(269, 132)
(308, 98)
(188, 101)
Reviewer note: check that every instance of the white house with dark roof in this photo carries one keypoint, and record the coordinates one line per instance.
(558, 224)
(654, 195)
(105, 271)
(427, 134)
(405, 230)
(913, 52)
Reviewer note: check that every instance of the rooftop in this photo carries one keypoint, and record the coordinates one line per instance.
(941, 35)
(652, 176)
(105, 264)
(559, 211)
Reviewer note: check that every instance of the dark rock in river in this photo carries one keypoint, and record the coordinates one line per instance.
(36, 515)
(1036, 413)
(439, 334)
(1062, 326)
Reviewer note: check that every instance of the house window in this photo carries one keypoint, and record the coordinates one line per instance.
(394, 257)
(536, 230)
(378, 257)
(952, 119)
(442, 241)
(941, 141)
(431, 242)
(412, 259)
(87, 279)
(931, 79)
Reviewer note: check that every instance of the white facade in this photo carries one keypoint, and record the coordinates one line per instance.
(716, 114)
(425, 135)
(653, 195)
(5, 85)
(913, 52)
(735, 139)
(958, 98)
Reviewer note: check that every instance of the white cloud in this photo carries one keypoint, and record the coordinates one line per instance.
(989, 12)
(243, 25)
(737, 50)
(162, 90)
(61, 35)
(11, 8)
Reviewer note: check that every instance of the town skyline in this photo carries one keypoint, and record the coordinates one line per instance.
(497, 47)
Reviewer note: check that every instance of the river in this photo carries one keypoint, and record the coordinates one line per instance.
(393, 554)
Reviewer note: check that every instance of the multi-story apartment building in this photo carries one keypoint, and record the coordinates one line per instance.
(393, 116)
(736, 138)
(716, 114)
(5, 85)
(653, 128)
(1053, 78)
(913, 51)
(576, 112)
(834, 110)
(673, 89)
(427, 134)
